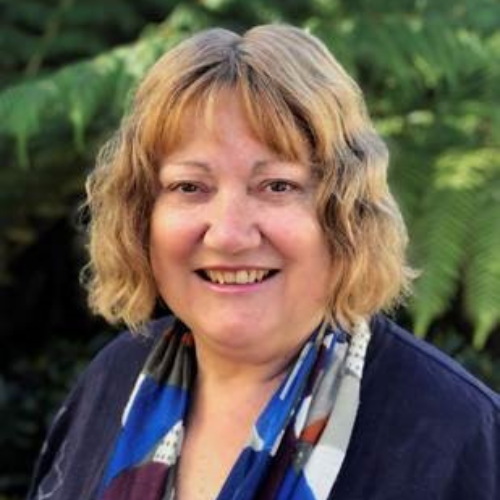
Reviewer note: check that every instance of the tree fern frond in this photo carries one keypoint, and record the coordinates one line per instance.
(76, 93)
(438, 243)
(482, 276)
(187, 18)
(409, 173)
(132, 62)
(83, 89)
(85, 98)
(473, 119)
(465, 169)
(412, 55)
(21, 110)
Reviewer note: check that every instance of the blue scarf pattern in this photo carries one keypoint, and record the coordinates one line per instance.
(297, 444)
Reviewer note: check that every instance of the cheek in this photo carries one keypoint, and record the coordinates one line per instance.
(313, 256)
(302, 238)
(170, 239)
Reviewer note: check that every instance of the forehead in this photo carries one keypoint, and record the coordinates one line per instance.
(220, 119)
(227, 114)
(219, 135)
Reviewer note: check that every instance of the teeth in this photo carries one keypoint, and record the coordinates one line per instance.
(240, 277)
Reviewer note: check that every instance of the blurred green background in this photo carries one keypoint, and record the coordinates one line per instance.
(430, 73)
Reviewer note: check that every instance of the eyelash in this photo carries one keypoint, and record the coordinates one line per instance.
(180, 187)
(192, 188)
(289, 185)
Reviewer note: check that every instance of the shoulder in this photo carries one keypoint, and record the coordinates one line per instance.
(124, 356)
(82, 435)
(401, 362)
(110, 376)
(426, 428)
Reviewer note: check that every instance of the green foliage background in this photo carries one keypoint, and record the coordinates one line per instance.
(430, 74)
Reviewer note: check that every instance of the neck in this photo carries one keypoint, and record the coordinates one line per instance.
(218, 370)
(233, 387)
(241, 377)
(226, 364)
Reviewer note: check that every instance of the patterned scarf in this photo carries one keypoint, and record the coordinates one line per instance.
(297, 444)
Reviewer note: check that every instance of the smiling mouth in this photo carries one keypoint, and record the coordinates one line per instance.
(238, 277)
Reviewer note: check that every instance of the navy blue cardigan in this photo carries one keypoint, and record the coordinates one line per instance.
(426, 429)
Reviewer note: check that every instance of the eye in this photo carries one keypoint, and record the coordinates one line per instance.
(187, 187)
(281, 186)
(184, 187)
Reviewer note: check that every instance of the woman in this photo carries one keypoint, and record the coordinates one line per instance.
(247, 190)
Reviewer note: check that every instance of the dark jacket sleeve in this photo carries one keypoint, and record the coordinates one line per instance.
(477, 471)
(426, 429)
(48, 477)
(76, 451)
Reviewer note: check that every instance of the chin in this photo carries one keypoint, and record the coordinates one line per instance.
(235, 333)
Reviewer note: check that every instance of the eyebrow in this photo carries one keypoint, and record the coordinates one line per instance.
(258, 167)
(189, 163)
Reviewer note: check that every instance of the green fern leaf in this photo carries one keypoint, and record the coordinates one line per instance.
(482, 277)
(438, 243)
(21, 111)
(84, 89)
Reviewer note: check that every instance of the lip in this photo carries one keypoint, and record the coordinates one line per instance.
(236, 268)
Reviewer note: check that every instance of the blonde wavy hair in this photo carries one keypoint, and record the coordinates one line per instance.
(300, 102)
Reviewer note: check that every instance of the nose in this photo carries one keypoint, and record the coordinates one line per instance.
(233, 226)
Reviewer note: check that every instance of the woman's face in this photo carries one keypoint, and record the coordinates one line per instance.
(235, 245)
